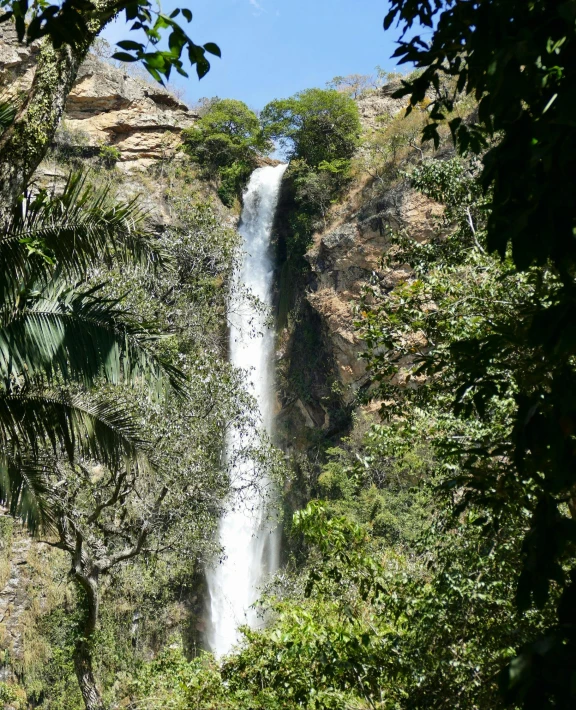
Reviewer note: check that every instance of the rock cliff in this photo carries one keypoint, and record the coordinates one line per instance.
(343, 258)
(106, 106)
(141, 120)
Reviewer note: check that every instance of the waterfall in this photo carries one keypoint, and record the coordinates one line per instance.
(251, 546)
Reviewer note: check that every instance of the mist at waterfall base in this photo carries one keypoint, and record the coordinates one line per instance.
(249, 541)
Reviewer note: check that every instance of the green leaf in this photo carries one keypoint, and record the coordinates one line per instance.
(213, 49)
(130, 45)
(124, 57)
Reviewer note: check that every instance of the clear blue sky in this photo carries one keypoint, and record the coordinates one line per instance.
(274, 48)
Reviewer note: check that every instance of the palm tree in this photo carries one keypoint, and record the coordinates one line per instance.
(60, 336)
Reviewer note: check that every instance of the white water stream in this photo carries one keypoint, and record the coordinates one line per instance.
(251, 545)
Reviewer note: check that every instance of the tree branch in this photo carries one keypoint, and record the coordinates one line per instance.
(473, 230)
(129, 552)
(111, 501)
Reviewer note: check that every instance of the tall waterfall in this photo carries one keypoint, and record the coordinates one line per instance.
(251, 547)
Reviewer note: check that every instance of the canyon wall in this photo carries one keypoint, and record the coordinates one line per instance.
(345, 255)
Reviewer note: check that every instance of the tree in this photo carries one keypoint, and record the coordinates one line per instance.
(226, 142)
(354, 85)
(59, 336)
(315, 125)
(67, 32)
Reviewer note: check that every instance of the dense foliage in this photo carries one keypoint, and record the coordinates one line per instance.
(91, 367)
(518, 60)
(315, 125)
(226, 142)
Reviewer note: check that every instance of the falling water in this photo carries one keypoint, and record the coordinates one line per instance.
(251, 546)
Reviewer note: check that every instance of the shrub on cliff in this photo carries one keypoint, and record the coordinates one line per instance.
(226, 142)
(315, 125)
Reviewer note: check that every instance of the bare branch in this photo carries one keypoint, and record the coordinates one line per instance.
(111, 501)
(472, 228)
(136, 548)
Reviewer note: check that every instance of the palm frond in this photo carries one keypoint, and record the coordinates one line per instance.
(25, 489)
(82, 227)
(79, 336)
(38, 432)
(71, 426)
(7, 114)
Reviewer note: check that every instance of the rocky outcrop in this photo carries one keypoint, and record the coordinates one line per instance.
(347, 255)
(111, 108)
(344, 259)
(106, 106)
(319, 356)
(17, 62)
(378, 104)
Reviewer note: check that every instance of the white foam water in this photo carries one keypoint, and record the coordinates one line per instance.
(250, 543)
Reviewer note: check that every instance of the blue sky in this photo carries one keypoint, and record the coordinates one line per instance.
(274, 48)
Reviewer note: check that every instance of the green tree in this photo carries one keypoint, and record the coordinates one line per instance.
(319, 131)
(226, 142)
(315, 125)
(138, 549)
(369, 623)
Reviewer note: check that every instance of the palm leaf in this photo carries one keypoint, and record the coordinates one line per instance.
(25, 489)
(76, 230)
(79, 336)
(72, 427)
(38, 430)
(7, 114)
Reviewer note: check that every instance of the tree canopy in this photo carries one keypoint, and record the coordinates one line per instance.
(315, 125)
(518, 59)
(226, 141)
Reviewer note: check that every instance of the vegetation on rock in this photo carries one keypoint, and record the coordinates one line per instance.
(226, 142)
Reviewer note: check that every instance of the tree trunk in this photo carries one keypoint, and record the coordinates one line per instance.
(24, 144)
(85, 675)
(88, 586)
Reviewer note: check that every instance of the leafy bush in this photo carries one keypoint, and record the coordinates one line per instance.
(315, 125)
(226, 142)
(108, 155)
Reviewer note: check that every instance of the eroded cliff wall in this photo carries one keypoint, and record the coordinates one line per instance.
(345, 255)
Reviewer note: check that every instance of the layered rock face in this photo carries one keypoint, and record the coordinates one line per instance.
(142, 120)
(344, 260)
(106, 106)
